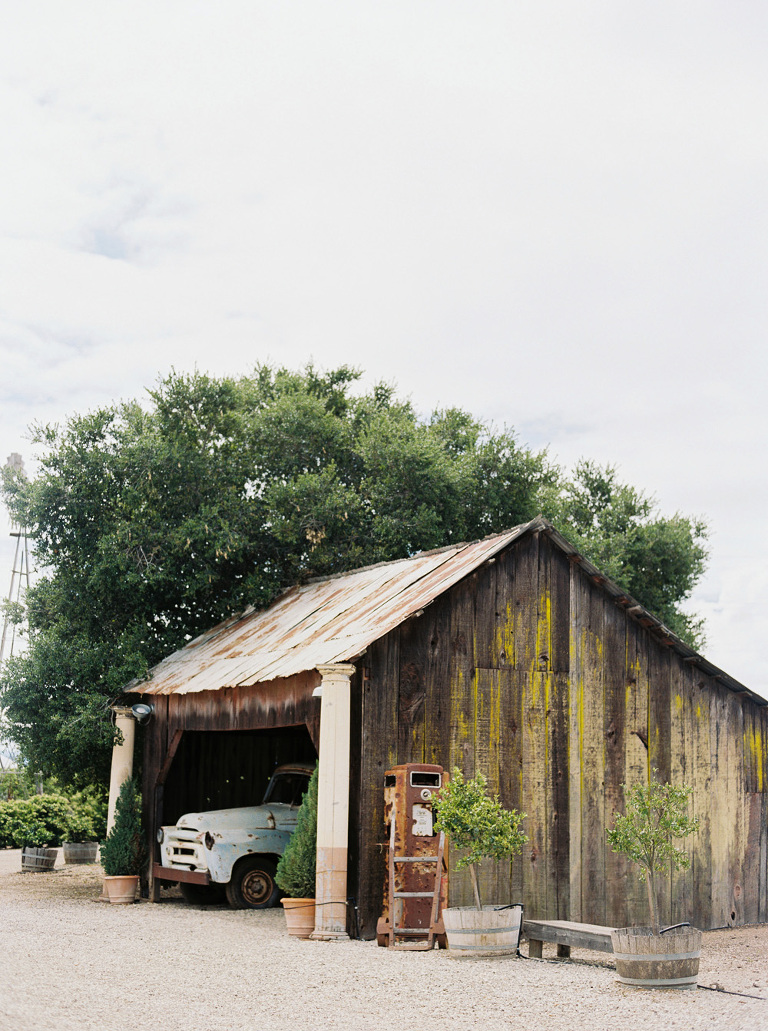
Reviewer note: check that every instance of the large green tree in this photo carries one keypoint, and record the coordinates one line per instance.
(657, 559)
(153, 521)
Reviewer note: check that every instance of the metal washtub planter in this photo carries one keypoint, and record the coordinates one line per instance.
(492, 931)
(666, 960)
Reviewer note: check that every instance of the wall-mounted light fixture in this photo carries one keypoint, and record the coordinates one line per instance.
(141, 711)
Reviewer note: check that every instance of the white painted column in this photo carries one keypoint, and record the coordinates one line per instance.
(122, 758)
(333, 804)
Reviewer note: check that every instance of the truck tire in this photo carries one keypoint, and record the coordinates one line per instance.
(202, 894)
(253, 884)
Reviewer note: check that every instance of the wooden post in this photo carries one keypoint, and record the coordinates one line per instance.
(122, 758)
(333, 804)
(122, 765)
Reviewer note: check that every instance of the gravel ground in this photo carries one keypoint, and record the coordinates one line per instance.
(70, 962)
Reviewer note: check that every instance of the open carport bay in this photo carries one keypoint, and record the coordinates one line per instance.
(71, 963)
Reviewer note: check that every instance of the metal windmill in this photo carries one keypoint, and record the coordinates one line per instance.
(19, 584)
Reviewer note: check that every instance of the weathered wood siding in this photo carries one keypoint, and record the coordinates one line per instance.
(480, 681)
(529, 671)
(636, 706)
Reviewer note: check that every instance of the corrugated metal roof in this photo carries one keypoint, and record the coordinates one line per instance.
(326, 621)
(336, 618)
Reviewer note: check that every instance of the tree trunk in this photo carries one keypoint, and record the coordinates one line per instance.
(651, 886)
(475, 887)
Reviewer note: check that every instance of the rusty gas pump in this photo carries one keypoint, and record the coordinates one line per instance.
(416, 886)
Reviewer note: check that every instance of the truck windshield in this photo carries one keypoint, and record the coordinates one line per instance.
(288, 788)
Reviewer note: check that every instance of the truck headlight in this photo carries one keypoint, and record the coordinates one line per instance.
(160, 835)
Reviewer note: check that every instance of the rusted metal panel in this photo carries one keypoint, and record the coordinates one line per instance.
(331, 620)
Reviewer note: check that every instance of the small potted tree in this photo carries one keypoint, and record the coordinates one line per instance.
(479, 826)
(656, 815)
(123, 852)
(295, 874)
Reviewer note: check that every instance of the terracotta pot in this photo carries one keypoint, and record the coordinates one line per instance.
(299, 916)
(121, 890)
(650, 960)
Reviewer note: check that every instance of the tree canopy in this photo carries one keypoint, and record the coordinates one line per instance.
(151, 522)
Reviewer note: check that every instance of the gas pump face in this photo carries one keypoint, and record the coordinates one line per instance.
(412, 894)
(423, 785)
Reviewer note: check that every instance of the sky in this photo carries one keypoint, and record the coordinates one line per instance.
(550, 214)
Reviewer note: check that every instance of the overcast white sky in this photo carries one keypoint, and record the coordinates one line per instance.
(551, 214)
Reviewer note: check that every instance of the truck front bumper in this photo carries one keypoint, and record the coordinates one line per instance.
(175, 874)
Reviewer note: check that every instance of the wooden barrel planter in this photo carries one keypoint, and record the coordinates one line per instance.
(648, 960)
(77, 852)
(38, 860)
(299, 916)
(490, 931)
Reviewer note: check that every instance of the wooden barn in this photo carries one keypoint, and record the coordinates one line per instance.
(511, 655)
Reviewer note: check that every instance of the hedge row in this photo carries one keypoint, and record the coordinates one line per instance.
(48, 820)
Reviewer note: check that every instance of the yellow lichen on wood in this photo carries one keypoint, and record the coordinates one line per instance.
(542, 660)
(753, 743)
(504, 638)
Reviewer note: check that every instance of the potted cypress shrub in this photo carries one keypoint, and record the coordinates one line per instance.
(477, 824)
(295, 873)
(655, 816)
(123, 852)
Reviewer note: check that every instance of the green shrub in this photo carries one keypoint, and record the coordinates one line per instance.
(123, 852)
(295, 873)
(88, 816)
(48, 820)
(40, 821)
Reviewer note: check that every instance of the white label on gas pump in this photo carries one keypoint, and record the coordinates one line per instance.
(422, 821)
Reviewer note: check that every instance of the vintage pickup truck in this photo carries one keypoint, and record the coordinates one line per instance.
(234, 852)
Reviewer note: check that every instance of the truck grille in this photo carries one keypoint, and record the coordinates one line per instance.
(180, 849)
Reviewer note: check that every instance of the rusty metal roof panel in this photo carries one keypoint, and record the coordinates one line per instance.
(329, 620)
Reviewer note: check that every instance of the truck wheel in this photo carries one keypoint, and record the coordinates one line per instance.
(253, 884)
(202, 894)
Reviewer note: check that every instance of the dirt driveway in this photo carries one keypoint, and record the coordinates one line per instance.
(70, 962)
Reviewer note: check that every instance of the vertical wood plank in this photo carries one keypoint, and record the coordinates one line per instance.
(511, 766)
(660, 739)
(636, 760)
(615, 716)
(558, 842)
(411, 687)
(560, 595)
(494, 878)
(701, 717)
(462, 710)
(437, 697)
(593, 758)
(576, 689)
(681, 769)
(379, 697)
(535, 698)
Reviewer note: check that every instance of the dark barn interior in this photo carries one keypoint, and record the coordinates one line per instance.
(223, 769)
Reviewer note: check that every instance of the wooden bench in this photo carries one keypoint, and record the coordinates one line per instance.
(566, 935)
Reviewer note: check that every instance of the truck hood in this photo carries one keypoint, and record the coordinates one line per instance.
(254, 817)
